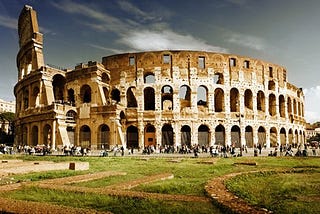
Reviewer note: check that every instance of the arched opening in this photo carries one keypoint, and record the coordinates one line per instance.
(167, 135)
(24, 136)
(271, 85)
(105, 78)
(85, 94)
(132, 137)
(149, 78)
(85, 136)
(71, 98)
(202, 96)
(273, 137)
(282, 110)
(261, 101)
(235, 136)
(131, 99)
(106, 94)
(47, 135)
(249, 137)
(149, 99)
(103, 137)
(272, 105)
(220, 135)
(150, 136)
(167, 98)
(234, 100)
(296, 137)
(185, 96)
(35, 132)
(290, 137)
(219, 100)
(261, 136)
(203, 136)
(58, 84)
(295, 107)
(115, 95)
(35, 97)
(71, 116)
(186, 136)
(248, 99)
(283, 136)
(25, 99)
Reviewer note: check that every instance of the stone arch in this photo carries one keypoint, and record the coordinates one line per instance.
(261, 136)
(150, 135)
(289, 104)
(290, 137)
(249, 136)
(103, 137)
(273, 137)
(58, 84)
(219, 100)
(35, 134)
(167, 135)
(85, 94)
(202, 96)
(149, 98)
(296, 137)
(132, 137)
(115, 95)
(25, 98)
(186, 135)
(248, 102)
(271, 85)
(25, 135)
(167, 98)
(220, 135)
(282, 110)
(34, 101)
(283, 136)
(47, 134)
(131, 99)
(234, 100)
(261, 101)
(272, 105)
(185, 96)
(203, 135)
(235, 136)
(149, 77)
(105, 78)
(85, 136)
(294, 107)
(71, 97)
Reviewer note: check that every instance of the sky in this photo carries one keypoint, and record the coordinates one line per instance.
(283, 32)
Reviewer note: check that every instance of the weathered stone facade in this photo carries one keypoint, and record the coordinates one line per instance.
(153, 98)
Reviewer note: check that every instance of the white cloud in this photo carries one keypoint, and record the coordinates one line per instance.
(8, 22)
(312, 104)
(248, 41)
(165, 40)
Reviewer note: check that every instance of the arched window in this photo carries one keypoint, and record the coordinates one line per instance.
(167, 98)
(219, 100)
(234, 100)
(71, 98)
(131, 99)
(272, 105)
(282, 106)
(105, 78)
(260, 101)
(115, 95)
(185, 96)
(149, 78)
(202, 96)
(248, 99)
(58, 84)
(149, 99)
(85, 94)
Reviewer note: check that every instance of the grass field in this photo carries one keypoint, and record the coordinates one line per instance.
(290, 192)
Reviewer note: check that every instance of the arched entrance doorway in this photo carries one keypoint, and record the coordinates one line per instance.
(85, 136)
(273, 137)
(235, 136)
(186, 136)
(132, 137)
(47, 135)
(203, 135)
(150, 136)
(103, 137)
(283, 136)
(249, 137)
(35, 132)
(167, 135)
(220, 135)
(261, 136)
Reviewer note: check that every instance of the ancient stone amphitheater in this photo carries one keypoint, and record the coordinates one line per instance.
(153, 98)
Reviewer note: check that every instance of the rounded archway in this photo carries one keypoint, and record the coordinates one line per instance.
(85, 136)
(150, 136)
(47, 135)
(167, 135)
(220, 135)
(132, 137)
(249, 137)
(235, 136)
(186, 135)
(103, 137)
(203, 136)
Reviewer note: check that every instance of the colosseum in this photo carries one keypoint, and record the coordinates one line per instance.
(154, 98)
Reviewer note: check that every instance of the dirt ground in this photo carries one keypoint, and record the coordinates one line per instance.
(216, 190)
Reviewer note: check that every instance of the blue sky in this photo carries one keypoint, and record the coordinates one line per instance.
(285, 32)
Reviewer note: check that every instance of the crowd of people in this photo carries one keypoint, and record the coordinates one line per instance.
(214, 151)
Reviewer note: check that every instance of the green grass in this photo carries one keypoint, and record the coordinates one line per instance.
(274, 191)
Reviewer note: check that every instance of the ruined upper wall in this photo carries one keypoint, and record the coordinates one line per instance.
(201, 60)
